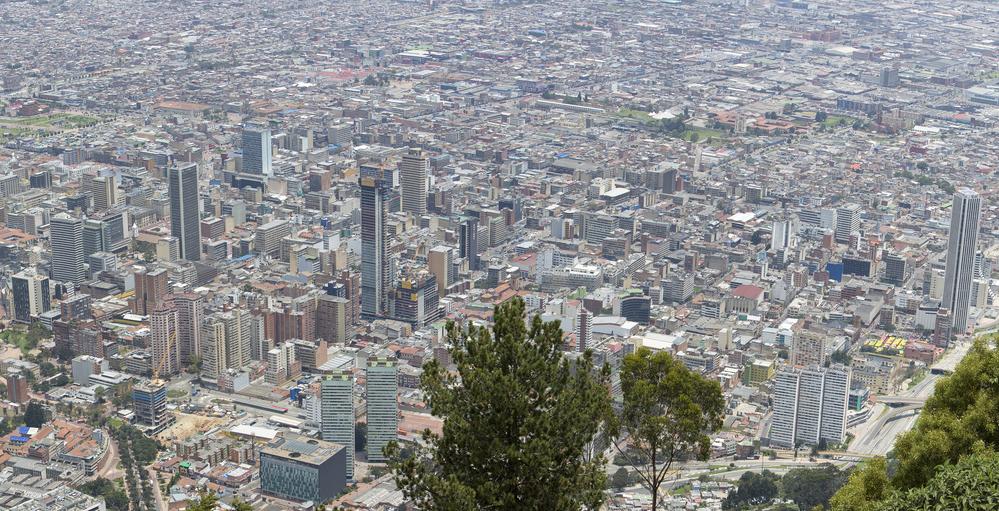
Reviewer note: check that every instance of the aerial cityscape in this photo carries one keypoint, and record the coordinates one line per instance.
(498, 254)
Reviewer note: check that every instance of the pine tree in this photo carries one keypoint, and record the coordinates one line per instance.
(519, 421)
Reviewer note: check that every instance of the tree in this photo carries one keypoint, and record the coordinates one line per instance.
(241, 505)
(34, 415)
(668, 411)
(810, 487)
(840, 357)
(972, 483)
(867, 486)
(207, 501)
(620, 479)
(754, 489)
(958, 419)
(48, 369)
(63, 352)
(519, 421)
(821, 116)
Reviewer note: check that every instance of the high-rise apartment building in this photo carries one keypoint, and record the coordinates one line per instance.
(332, 322)
(214, 355)
(374, 255)
(584, 329)
(383, 408)
(163, 340)
(808, 349)
(66, 239)
(151, 287)
(257, 150)
(185, 210)
(30, 293)
(810, 405)
(961, 249)
(337, 413)
(17, 387)
(414, 170)
(189, 316)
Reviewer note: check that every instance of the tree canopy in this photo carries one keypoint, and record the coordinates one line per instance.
(972, 483)
(960, 420)
(668, 411)
(754, 489)
(811, 487)
(519, 422)
(34, 415)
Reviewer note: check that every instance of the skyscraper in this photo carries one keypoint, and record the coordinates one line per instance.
(103, 189)
(332, 323)
(66, 239)
(413, 170)
(151, 286)
(214, 354)
(30, 295)
(257, 150)
(17, 387)
(149, 404)
(163, 340)
(847, 222)
(184, 210)
(189, 314)
(961, 246)
(584, 329)
(383, 409)
(374, 257)
(468, 242)
(439, 261)
(810, 405)
(337, 413)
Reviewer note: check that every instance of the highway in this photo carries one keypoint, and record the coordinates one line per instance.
(877, 436)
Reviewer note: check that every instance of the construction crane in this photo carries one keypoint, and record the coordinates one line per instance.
(158, 366)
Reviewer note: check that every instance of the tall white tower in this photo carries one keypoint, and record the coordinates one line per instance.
(961, 247)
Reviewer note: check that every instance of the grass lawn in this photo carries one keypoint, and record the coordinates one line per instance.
(638, 115)
(63, 120)
(702, 134)
(838, 120)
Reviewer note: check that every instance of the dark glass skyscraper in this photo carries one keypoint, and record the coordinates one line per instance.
(184, 216)
(468, 242)
(374, 258)
(257, 150)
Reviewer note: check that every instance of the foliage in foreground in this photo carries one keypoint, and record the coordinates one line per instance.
(668, 413)
(960, 420)
(519, 418)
